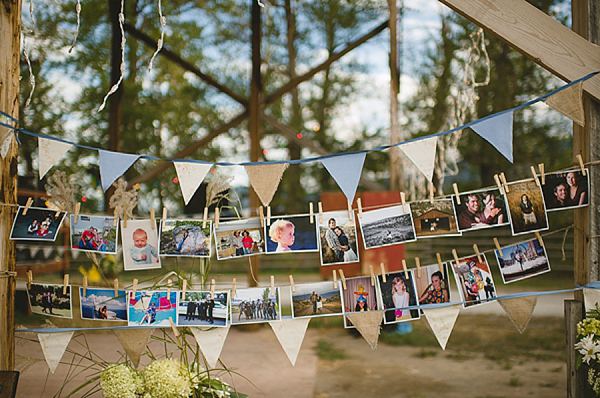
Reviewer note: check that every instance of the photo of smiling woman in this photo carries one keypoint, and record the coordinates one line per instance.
(291, 233)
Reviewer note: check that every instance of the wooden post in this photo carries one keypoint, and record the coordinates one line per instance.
(396, 175)
(575, 378)
(10, 52)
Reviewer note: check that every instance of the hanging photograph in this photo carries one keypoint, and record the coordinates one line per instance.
(434, 219)
(291, 233)
(151, 308)
(37, 224)
(566, 190)
(316, 299)
(527, 207)
(474, 280)
(255, 305)
(523, 260)
(481, 209)
(140, 243)
(433, 285)
(337, 237)
(239, 238)
(94, 234)
(185, 238)
(198, 308)
(49, 300)
(387, 226)
(397, 293)
(359, 296)
(102, 305)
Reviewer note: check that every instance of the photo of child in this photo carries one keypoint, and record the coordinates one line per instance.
(37, 224)
(239, 238)
(294, 233)
(94, 233)
(474, 280)
(139, 242)
(397, 293)
(359, 296)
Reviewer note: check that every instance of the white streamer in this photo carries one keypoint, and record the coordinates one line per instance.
(31, 75)
(78, 10)
(115, 87)
(163, 23)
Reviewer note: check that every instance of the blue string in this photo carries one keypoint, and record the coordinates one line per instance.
(315, 158)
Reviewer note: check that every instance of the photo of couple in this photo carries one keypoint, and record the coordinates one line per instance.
(481, 209)
(566, 190)
(316, 299)
(338, 239)
(37, 224)
(49, 300)
(102, 305)
(185, 238)
(94, 234)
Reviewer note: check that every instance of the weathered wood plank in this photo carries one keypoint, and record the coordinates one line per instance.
(575, 378)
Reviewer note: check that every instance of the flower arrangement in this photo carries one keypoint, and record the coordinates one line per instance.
(588, 347)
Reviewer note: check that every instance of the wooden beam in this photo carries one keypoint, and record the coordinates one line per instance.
(537, 35)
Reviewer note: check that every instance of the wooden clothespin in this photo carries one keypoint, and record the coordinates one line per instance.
(383, 273)
(504, 182)
(405, 268)
(535, 177)
(542, 173)
(497, 244)
(431, 191)
(124, 220)
(29, 278)
(350, 211)
(153, 218)
(359, 204)
(85, 285)
(439, 261)
(372, 275)
(27, 205)
(455, 186)
(65, 283)
(116, 286)
(418, 261)
(335, 283)
(580, 159)
(169, 284)
(134, 288)
(320, 205)
(272, 284)
(204, 217)
(212, 289)
(175, 331)
(115, 221)
(57, 213)
(183, 289)
(261, 214)
(403, 201)
(477, 253)
(499, 184)
(216, 218)
(292, 284)
(343, 278)
(76, 215)
(164, 218)
(233, 288)
(311, 211)
(539, 238)
(268, 215)
(455, 255)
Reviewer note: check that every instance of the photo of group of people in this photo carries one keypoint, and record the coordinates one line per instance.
(566, 190)
(337, 236)
(50, 300)
(94, 234)
(239, 238)
(255, 305)
(474, 280)
(36, 224)
(185, 238)
(200, 308)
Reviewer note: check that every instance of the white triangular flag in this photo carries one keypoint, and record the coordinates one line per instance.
(422, 154)
(519, 310)
(49, 153)
(346, 171)
(47, 250)
(591, 297)
(134, 342)
(190, 176)
(290, 333)
(441, 321)
(75, 254)
(211, 342)
(54, 346)
(6, 145)
(33, 250)
(368, 324)
(113, 165)
(569, 102)
(265, 179)
(498, 131)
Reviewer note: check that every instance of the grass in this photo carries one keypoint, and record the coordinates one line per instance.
(515, 382)
(327, 352)
(426, 353)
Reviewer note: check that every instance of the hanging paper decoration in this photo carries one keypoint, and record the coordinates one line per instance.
(569, 102)
(591, 297)
(49, 153)
(265, 179)
(47, 250)
(33, 250)
(190, 176)
(422, 154)
(134, 342)
(113, 165)
(346, 171)
(290, 333)
(441, 321)
(519, 310)
(368, 324)
(54, 346)
(498, 131)
(211, 342)
(6, 145)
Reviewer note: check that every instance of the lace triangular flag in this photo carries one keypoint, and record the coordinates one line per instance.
(569, 102)
(54, 346)
(346, 171)
(33, 250)
(265, 179)
(290, 333)
(47, 250)
(441, 321)
(368, 324)
(519, 310)
(498, 131)
(591, 297)
(49, 153)
(422, 154)
(211, 342)
(190, 176)
(113, 165)
(6, 145)
(134, 342)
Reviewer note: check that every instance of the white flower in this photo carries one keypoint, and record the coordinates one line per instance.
(584, 341)
(588, 348)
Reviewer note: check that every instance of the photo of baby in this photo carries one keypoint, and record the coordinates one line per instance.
(292, 233)
(139, 242)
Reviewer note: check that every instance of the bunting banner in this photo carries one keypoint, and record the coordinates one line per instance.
(290, 333)
(211, 342)
(346, 171)
(422, 154)
(134, 342)
(569, 102)
(54, 346)
(498, 131)
(190, 176)
(75, 254)
(113, 165)
(368, 324)
(519, 310)
(33, 250)
(6, 145)
(441, 320)
(47, 250)
(265, 179)
(49, 153)
(591, 297)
